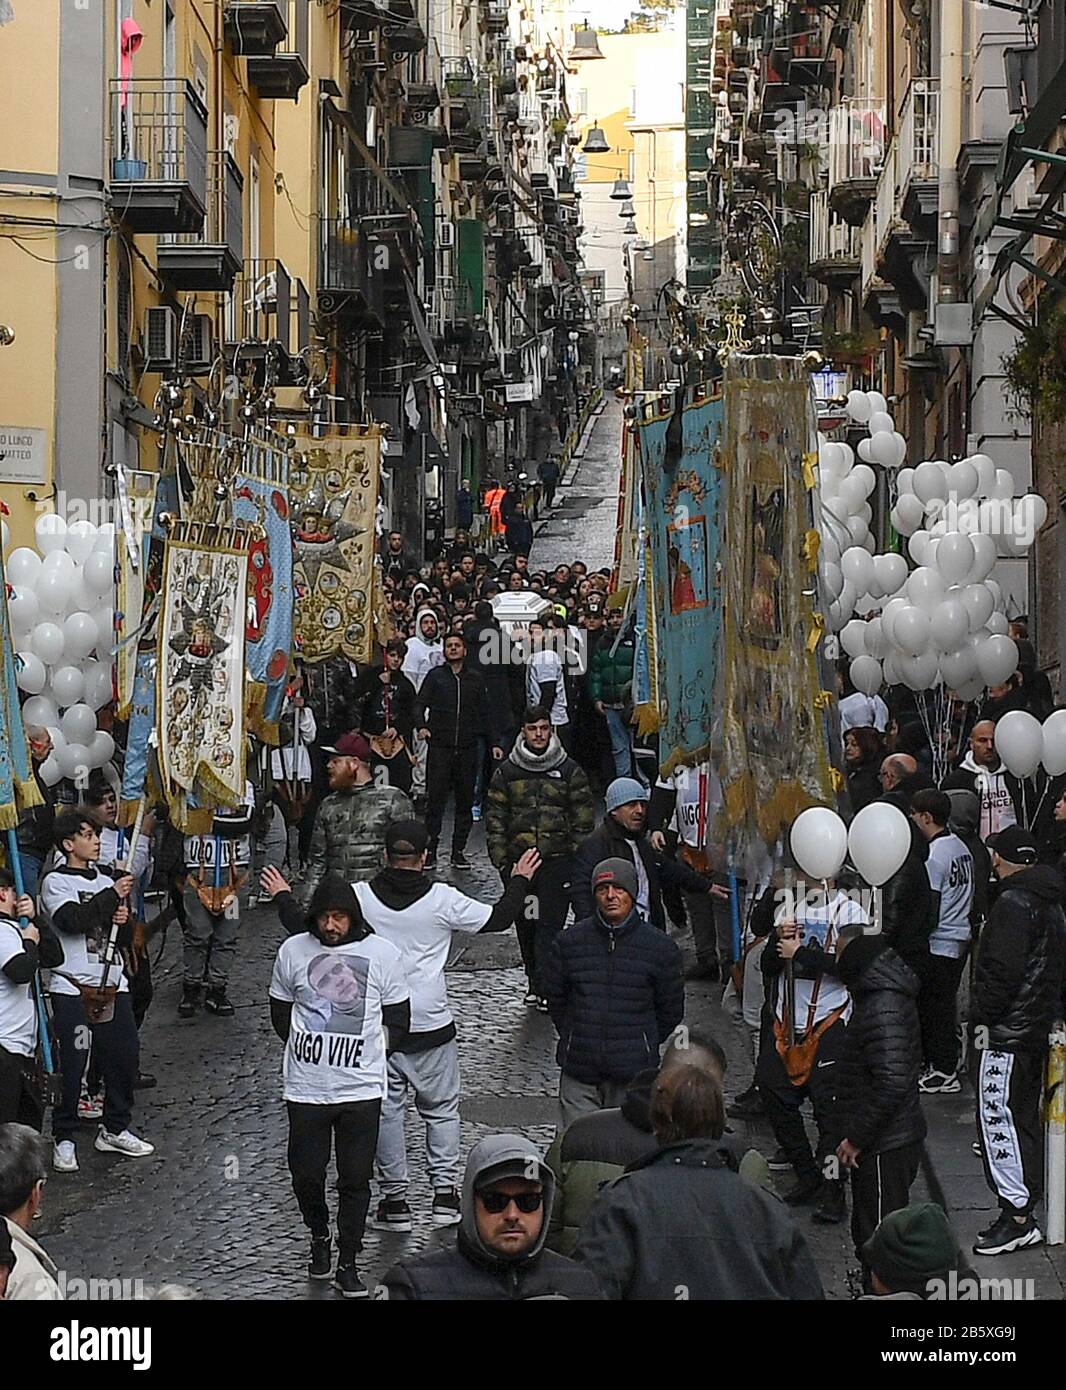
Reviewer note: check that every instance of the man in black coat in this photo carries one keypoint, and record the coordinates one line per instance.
(623, 836)
(499, 1252)
(1017, 995)
(519, 532)
(908, 911)
(453, 710)
(878, 1108)
(615, 994)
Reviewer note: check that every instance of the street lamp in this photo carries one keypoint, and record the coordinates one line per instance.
(585, 46)
(621, 191)
(596, 141)
(627, 209)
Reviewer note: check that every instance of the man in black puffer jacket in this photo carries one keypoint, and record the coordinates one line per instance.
(908, 912)
(499, 1252)
(615, 994)
(877, 1081)
(1017, 995)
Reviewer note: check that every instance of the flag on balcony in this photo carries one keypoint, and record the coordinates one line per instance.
(261, 499)
(334, 498)
(682, 518)
(200, 702)
(775, 758)
(18, 786)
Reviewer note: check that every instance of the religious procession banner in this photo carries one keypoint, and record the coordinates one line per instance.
(261, 498)
(18, 786)
(627, 539)
(774, 759)
(333, 486)
(645, 661)
(682, 485)
(200, 702)
(137, 496)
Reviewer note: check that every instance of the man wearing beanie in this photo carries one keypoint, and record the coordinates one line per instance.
(908, 1250)
(615, 994)
(623, 835)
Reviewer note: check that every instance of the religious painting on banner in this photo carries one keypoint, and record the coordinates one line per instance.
(682, 519)
(261, 498)
(200, 701)
(334, 494)
(774, 758)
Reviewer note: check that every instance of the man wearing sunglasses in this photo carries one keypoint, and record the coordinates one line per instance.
(499, 1252)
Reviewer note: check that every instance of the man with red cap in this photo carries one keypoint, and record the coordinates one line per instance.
(349, 834)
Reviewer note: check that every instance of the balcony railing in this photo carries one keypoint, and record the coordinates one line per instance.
(856, 140)
(158, 138)
(262, 304)
(210, 259)
(346, 276)
(886, 203)
(918, 130)
(831, 238)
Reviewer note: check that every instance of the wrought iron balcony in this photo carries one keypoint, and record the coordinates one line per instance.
(347, 281)
(211, 260)
(254, 28)
(856, 152)
(158, 148)
(835, 247)
(280, 75)
(918, 170)
(262, 307)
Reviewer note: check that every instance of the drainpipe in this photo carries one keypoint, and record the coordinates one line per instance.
(951, 27)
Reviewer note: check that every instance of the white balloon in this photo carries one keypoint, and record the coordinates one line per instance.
(905, 481)
(39, 710)
(955, 557)
(847, 453)
(997, 625)
(986, 473)
(997, 660)
(891, 610)
(78, 723)
(878, 841)
(865, 450)
(971, 689)
(997, 594)
(883, 448)
(930, 482)
(877, 401)
(962, 480)
(918, 547)
(908, 514)
(68, 685)
(53, 588)
(46, 641)
(50, 771)
(819, 841)
(55, 733)
(890, 668)
(23, 566)
(50, 533)
(984, 557)
(950, 623)
(901, 448)
(1054, 743)
(1019, 740)
(851, 493)
(80, 636)
(81, 539)
(23, 608)
(832, 580)
(919, 672)
(30, 674)
(99, 572)
(856, 567)
(858, 407)
(98, 687)
(1003, 487)
(866, 477)
(925, 588)
(891, 571)
(853, 636)
(1034, 509)
(879, 422)
(958, 666)
(73, 760)
(911, 630)
(858, 531)
(876, 642)
(865, 673)
(101, 749)
(829, 550)
(979, 605)
(105, 537)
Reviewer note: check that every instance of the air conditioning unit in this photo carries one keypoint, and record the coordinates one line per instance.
(446, 237)
(197, 345)
(160, 339)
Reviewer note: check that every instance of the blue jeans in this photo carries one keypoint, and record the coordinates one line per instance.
(621, 747)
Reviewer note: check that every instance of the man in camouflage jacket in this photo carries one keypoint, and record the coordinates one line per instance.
(539, 799)
(349, 834)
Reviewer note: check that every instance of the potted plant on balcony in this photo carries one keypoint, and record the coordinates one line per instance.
(1036, 370)
(853, 349)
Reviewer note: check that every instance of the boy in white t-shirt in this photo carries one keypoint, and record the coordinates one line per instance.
(336, 987)
(23, 950)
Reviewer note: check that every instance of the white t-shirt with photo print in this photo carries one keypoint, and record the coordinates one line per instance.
(18, 1013)
(84, 954)
(335, 1053)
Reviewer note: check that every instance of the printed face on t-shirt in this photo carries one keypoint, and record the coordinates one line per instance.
(340, 984)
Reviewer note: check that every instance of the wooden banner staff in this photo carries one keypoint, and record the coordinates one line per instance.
(131, 850)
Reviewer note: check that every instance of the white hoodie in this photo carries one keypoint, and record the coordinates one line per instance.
(997, 806)
(422, 654)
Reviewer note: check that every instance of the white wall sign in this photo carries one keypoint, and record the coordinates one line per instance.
(23, 455)
(519, 391)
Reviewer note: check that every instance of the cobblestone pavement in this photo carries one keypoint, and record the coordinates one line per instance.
(582, 524)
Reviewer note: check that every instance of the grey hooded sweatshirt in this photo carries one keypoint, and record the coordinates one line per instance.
(471, 1270)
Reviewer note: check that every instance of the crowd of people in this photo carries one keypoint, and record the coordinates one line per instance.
(646, 1193)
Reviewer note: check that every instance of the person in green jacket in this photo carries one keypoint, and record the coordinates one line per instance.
(610, 685)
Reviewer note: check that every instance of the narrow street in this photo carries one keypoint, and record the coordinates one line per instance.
(213, 1208)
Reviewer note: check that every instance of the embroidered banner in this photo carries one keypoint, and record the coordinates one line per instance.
(333, 490)
(138, 496)
(200, 703)
(682, 483)
(261, 498)
(775, 757)
(18, 787)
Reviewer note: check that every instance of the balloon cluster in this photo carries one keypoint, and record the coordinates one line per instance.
(877, 842)
(1023, 743)
(61, 625)
(945, 620)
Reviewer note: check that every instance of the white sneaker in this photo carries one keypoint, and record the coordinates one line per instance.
(65, 1156)
(939, 1083)
(124, 1143)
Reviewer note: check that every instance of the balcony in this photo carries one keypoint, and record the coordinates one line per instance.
(158, 147)
(835, 247)
(210, 261)
(261, 310)
(856, 152)
(254, 28)
(918, 173)
(346, 281)
(280, 76)
(405, 38)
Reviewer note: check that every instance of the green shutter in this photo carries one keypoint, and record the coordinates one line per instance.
(471, 261)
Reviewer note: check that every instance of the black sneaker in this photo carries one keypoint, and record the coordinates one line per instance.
(190, 1001)
(447, 1209)
(217, 1001)
(348, 1282)
(431, 859)
(1006, 1234)
(144, 1081)
(807, 1190)
(393, 1214)
(459, 860)
(833, 1207)
(320, 1265)
(747, 1106)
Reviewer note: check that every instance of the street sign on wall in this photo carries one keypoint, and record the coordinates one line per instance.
(23, 454)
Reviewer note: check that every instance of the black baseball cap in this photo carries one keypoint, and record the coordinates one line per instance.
(406, 838)
(1015, 845)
